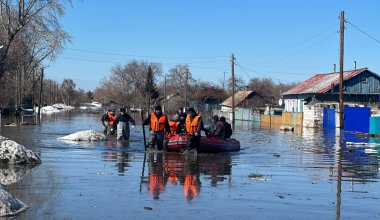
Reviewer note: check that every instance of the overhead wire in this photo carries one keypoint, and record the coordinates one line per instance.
(301, 42)
(146, 56)
(368, 35)
(301, 50)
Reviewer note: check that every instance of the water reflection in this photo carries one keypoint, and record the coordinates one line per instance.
(117, 152)
(10, 174)
(185, 170)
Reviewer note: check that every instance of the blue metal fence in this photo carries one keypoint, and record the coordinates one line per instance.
(357, 119)
(328, 117)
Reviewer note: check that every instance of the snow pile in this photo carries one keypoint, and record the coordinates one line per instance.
(9, 205)
(58, 107)
(87, 135)
(62, 106)
(14, 153)
(49, 110)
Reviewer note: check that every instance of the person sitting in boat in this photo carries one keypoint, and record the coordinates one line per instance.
(159, 124)
(107, 121)
(194, 126)
(121, 124)
(177, 115)
(227, 127)
(181, 126)
(217, 128)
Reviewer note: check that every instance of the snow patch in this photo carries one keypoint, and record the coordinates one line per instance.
(58, 107)
(87, 135)
(9, 205)
(14, 153)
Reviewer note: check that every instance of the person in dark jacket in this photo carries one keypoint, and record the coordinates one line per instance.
(158, 125)
(181, 127)
(217, 129)
(227, 127)
(177, 115)
(121, 125)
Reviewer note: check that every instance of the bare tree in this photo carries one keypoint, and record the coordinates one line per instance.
(34, 23)
(126, 84)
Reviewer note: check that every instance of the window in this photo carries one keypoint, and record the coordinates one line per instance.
(365, 80)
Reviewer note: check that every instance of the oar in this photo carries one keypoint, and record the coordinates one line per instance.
(142, 123)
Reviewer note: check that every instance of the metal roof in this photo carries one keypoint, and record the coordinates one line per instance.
(321, 83)
(239, 97)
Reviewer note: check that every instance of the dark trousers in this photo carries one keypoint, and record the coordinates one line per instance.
(193, 142)
(156, 137)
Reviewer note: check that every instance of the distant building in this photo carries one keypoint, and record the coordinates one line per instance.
(361, 87)
(248, 106)
(247, 99)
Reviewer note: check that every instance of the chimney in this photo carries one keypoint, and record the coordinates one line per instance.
(354, 65)
(334, 67)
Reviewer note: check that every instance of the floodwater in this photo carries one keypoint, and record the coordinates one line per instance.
(308, 174)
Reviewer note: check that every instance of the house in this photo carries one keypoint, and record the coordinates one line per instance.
(248, 105)
(361, 87)
(247, 99)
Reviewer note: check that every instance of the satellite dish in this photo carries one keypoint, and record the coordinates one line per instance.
(280, 102)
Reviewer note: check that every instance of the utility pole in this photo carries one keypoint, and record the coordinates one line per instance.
(341, 53)
(165, 94)
(187, 77)
(233, 90)
(224, 80)
(40, 99)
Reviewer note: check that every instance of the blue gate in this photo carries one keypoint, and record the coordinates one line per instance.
(357, 119)
(328, 117)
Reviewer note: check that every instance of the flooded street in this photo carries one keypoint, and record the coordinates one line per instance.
(307, 174)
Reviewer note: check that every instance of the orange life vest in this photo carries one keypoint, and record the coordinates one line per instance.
(192, 126)
(173, 126)
(172, 178)
(111, 118)
(157, 124)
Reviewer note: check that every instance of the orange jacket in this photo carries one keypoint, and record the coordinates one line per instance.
(192, 126)
(157, 124)
(111, 118)
(173, 126)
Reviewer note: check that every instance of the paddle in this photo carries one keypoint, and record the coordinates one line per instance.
(142, 123)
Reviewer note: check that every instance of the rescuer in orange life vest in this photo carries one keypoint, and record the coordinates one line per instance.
(194, 126)
(158, 125)
(110, 117)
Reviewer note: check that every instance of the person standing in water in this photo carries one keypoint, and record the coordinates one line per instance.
(121, 125)
(158, 124)
(194, 126)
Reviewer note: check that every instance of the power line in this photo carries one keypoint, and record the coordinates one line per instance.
(368, 35)
(301, 50)
(125, 62)
(100, 59)
(144, 56)
(301, 42)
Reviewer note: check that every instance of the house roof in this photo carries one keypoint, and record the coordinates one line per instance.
(239, 97)
(321, 83)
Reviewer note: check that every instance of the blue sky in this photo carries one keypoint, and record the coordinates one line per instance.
(285, 40)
